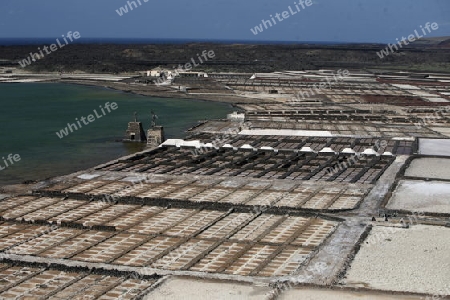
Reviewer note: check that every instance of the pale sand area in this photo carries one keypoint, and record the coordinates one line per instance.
(30, 80)
(434, 147)
(427, 167)
(317, 294)
(408, 260)
(421, 196)
(197, 289)
(442, 130)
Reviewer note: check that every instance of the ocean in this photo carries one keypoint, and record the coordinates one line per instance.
(32, 113)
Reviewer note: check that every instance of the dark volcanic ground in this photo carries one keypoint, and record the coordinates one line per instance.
(238, 57)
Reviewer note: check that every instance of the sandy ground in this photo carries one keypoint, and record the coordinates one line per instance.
(437, 168)
(24, 80)
(410, 260)
(197, 289)
(421, 196)
(194, 289)
(434, 147)
(442, 130)
(316, 294)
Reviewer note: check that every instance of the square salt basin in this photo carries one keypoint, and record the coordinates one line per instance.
(407, 260)
(427, 167)
(439, 147)
(423, 196)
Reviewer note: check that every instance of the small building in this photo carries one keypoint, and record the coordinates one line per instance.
(193, 74)
(155, 136)
(135, 132)
(155, 133)
(236, 117)
(154, 73)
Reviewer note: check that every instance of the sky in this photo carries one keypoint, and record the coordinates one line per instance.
(371, 21)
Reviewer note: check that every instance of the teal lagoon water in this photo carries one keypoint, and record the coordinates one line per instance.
(32, 113)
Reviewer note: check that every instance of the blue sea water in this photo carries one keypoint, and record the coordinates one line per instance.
(32, 113)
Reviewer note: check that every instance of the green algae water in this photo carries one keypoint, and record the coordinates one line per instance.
(32, 113)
